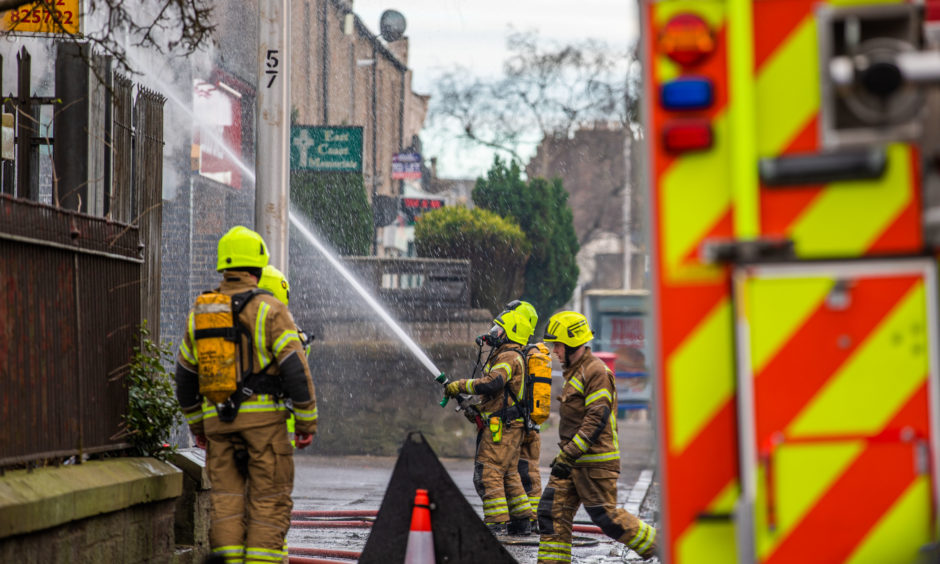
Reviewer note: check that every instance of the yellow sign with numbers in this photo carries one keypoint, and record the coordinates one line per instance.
(43, 16)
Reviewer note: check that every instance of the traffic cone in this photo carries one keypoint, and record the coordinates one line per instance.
(420, 540)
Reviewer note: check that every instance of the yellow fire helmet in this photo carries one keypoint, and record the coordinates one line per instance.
(568, 327)
(527, 310)
(516, 325)
(242, 247)
(274, 281)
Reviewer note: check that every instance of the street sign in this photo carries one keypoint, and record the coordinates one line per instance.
(37, 17)
(326, 149)
(414, 207)
(406, 166)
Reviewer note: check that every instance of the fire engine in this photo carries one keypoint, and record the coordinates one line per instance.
(792, 163)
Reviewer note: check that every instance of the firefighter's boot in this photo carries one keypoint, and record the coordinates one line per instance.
(519, 526)
(497, 528)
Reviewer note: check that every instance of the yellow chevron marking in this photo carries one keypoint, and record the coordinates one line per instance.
(777, 309)
(666, 69)
(802, 474)
(866, 208)
(711, 542)
(701, 376)
(874, 383)
(782, 110)
(901, 531)
(695, 195)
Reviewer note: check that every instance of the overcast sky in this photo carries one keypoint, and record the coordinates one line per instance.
(444, 34)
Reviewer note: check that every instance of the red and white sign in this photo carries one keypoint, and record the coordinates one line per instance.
(217, 132)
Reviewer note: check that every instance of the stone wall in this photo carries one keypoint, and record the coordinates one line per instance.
(115, 511)
(371, 395)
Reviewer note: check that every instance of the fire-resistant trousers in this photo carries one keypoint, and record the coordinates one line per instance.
(596, 488)
(496, 475)
(250, 516)
(529, 467)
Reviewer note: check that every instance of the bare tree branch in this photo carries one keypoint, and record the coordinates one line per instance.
(547, 90)
(181, 26)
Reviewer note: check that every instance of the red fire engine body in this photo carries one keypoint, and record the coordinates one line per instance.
(794, 278)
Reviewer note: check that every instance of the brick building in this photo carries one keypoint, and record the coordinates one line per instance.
(341, 74)
(595, 166)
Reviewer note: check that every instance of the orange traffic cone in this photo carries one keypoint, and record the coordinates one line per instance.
(420, 540)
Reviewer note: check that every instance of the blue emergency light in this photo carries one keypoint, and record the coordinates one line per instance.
(687, 93)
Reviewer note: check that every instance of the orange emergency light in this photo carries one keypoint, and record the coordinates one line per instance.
(687, 39)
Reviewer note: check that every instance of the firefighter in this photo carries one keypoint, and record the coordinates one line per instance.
(274, 281)
(586, 469)
(495, 469)
(531, 441)
(248, 455)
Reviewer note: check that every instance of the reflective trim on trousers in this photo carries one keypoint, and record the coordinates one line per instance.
(257, 554)
(519, 504)
(231, 553)
(555, 551)
(644, 538)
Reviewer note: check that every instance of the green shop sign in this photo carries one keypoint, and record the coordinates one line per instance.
(327, 149)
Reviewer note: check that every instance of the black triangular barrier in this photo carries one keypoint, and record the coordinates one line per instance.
(459, 534)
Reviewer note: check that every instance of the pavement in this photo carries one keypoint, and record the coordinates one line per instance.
(332, 483)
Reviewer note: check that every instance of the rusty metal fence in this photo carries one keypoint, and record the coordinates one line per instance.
(77, 268)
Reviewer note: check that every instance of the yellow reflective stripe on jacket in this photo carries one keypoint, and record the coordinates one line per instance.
(576, 384)
(305, 414)
(191, 356)
(262, 403)
(194, 417)
(599, 457)
(604, 393)
(581, 443)
(506, 366)
(469, 386)
(282, 341)
(263, 359)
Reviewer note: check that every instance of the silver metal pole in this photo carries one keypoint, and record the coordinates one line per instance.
(272, 157)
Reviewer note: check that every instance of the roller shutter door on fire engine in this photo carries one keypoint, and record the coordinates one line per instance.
(838, 383)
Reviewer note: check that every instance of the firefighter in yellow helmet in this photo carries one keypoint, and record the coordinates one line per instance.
(239, 330)
(531, 449)
(495, 473)
(274, 281)
(586, 469)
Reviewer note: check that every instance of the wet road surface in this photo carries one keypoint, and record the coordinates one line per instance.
(343, 483)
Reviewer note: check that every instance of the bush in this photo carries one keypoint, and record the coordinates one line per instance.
(337, 205)
(541, 209)
(152, 409)
(496, 247)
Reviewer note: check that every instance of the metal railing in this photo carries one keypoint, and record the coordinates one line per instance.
(78, 257)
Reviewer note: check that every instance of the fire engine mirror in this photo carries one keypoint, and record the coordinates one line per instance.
(821, 168)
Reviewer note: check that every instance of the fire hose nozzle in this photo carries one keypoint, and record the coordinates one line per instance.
(442, 379)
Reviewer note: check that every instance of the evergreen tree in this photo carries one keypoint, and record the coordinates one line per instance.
(496, 247)
(541, 209)
(337, 204)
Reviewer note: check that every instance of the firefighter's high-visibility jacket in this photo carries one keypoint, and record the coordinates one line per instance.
(588, 426)
(505, 368)
(274, 347)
